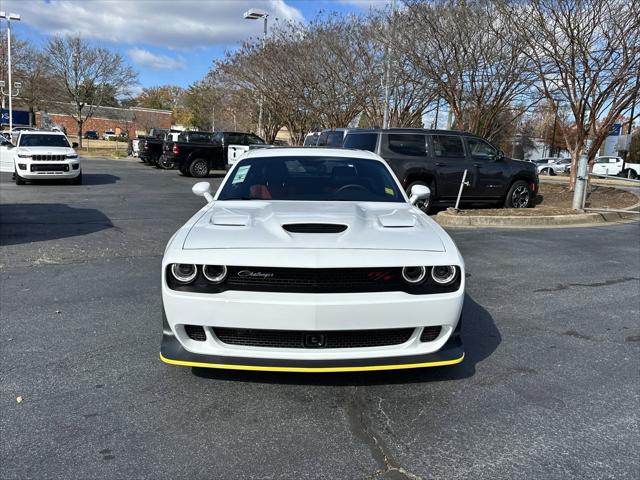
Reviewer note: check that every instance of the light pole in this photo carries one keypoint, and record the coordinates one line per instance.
(387, 71)
(9, 17)
(257, 14)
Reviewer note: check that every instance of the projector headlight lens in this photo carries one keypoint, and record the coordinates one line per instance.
(184, 272)
(414, 275)
(444, 274)
(214, 273)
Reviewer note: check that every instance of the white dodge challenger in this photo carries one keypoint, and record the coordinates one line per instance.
(311, 260)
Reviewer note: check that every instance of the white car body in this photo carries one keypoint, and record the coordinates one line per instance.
(6, 155)
(45, 161)
(552, 166)
(615, 166)
(248, 238)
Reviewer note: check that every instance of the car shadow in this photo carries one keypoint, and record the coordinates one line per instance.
(87, 179)
(36, 222)
(480, 337)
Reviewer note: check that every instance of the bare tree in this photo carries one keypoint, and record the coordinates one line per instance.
(585, 55)
(86, 76)
(472, 61)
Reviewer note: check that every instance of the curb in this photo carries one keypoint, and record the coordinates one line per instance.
(446, 219)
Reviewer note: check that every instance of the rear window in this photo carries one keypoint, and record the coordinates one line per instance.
(408, 144)
(447, 146)
(331, 139)
(194, 137)
(361, 141)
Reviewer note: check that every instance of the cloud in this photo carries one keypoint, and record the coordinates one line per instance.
(170, 24)
(145, 58)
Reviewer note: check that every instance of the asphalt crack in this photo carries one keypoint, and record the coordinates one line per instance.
(361, 428)
(566, 286)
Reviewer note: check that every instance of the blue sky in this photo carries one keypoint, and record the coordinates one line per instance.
(166, 41)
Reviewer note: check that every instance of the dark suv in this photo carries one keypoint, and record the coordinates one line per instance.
(438, 159)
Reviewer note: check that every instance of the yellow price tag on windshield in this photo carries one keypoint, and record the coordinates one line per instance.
(388, 191)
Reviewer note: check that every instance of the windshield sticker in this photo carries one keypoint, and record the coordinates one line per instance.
(388, 191)
(241, 174)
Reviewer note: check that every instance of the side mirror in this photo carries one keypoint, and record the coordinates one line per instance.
(74, 145)
(10, 146)
(203, 189)
(498, 156)
(419, 192)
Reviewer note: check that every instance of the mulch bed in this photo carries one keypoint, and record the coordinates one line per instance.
(557, 199)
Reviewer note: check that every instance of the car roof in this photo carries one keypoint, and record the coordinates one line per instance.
(411, 130)
(40, 132)
(311, 152)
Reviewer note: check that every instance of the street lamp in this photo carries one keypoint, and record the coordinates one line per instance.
(9, 17)
(257, 14)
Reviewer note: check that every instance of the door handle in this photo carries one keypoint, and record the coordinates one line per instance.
(477, 165)
(439, 164)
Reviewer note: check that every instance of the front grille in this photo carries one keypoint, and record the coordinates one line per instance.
(50, 168)
(312, 280)
(49, 158)
(195, 332)
(314, 228)
(429, 334)
(300, 338)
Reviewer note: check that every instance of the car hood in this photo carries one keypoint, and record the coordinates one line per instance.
(259, 224)
(46, 151)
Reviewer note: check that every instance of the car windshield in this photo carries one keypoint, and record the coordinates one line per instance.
(315, 178)
(44, 140)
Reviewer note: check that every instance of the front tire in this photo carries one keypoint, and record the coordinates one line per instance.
(629, 173)
(519, 195)
(199, 168)
(18, 179)
(77, 180)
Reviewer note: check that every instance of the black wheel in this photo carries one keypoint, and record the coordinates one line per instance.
(199, 168)
(629, 173)
(19, 180)
(166, 163)
(519, 195)
(77, 180)
(548, 171)
(425, 205)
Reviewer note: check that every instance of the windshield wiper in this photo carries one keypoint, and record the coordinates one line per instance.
(240, 198)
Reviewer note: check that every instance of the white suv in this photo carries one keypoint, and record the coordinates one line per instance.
(45, 155)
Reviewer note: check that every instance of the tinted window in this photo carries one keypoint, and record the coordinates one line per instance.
(43, 141)
(199, 137)
(234, 139)
(252, 139)
(408, 144)
(311, 179)
(447, 146)
(311, 140)
(331, 139)
(480, 148)
(361, 141)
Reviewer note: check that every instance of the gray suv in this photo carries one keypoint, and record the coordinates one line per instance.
(438, 159)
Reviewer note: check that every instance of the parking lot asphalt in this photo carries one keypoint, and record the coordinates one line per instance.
(549, 387)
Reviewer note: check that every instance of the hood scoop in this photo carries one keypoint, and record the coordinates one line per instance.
(314, 227)
(228, 218)
(398, 219)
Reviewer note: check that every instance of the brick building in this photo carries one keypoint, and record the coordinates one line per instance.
(133, 120)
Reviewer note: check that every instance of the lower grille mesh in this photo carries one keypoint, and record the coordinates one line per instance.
(195, 332)
(430, 333)
(297, 338)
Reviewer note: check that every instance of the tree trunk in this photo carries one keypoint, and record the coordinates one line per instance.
(575, 159)
(79, 133)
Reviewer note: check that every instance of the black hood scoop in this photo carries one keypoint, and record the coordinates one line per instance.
(314, 227)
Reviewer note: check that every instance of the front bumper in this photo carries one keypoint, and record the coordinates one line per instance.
(173, 353)
(33, 170)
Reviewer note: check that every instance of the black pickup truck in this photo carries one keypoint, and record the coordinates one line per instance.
(150, 146)
(439, 158)
(195, 154)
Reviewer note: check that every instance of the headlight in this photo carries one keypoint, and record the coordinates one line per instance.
(184, 272)
(72, 155)
(214, 273)
(414, 275)
(24, 155)
(444, 274)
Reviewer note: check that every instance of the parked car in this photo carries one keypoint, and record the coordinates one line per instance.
(333, 137)
(91, 135)
(311, 139)
(6, 155)
(311, 260)
(40, 155)
(109, 135)
(615, 166)
(150, 147)
(438, 159)
(195, 154)
(552, 165)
